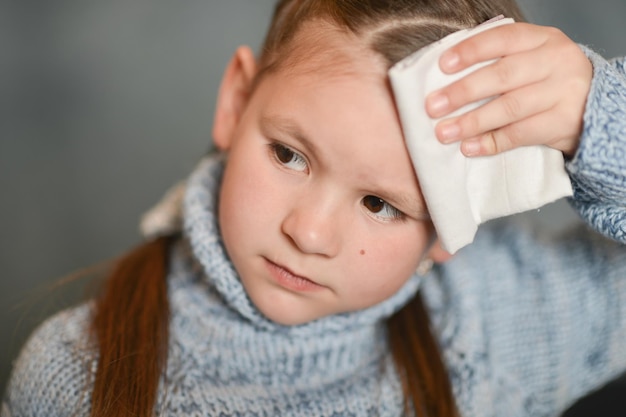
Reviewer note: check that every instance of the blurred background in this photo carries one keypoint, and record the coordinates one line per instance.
(104, 105)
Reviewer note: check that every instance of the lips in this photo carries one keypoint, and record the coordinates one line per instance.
(287, 279)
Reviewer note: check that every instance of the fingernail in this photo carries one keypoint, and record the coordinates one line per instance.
(471, 148)
(449, 132)
(438, 104)
(450, 60)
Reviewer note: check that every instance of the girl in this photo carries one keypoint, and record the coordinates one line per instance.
(291, 289)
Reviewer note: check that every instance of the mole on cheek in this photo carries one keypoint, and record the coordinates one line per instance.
(362, 252)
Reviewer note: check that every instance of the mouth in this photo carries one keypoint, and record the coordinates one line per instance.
(289, 280)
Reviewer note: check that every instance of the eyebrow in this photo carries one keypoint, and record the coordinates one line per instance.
(288, 127)
(420, 210)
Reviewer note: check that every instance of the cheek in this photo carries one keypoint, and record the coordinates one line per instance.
(243, 200)
(252, 198)
(382, 267)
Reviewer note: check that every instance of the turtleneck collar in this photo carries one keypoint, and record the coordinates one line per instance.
(202, 230)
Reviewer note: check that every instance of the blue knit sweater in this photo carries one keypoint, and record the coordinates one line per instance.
(527, 322)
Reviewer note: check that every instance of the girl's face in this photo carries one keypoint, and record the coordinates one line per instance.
(320, 209)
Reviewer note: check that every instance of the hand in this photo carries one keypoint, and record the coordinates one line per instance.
(542, 81)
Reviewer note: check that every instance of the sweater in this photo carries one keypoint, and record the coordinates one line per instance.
(527, 322)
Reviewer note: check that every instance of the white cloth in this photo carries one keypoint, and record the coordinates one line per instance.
(460, 192)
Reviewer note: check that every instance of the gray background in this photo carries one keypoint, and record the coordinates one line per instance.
(105, 104)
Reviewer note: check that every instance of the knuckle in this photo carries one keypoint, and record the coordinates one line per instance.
(554, 32)
(504, 72)
(499, 142)
(512, 107)
(513, 33)
(565, 48)
(489, 143)
(562, 47)
(470, 52)
(470, 123)
(575, 55)
(512, 136)
(460, 93)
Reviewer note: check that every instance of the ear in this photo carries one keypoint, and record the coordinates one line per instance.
(437, 253)
(233, 96)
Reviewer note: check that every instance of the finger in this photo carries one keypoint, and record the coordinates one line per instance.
(438, 254)
(504, 75)
(492, 44)
(532, 131)
(508, 108)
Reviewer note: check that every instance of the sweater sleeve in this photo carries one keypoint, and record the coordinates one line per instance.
(598, 170)
(51, 376)
(530, 321)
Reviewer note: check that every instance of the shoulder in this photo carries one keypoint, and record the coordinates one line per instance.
(523, 307)
(529, 242)
(517, 268)
(51, 377)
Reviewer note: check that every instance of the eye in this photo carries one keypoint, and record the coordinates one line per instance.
(382, 209)
(288, 157)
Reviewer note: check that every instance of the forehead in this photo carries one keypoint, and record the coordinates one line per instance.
(334, 98)
(324, 67)
(319, 46)
(334, 83)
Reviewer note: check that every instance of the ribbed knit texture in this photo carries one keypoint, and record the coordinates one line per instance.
(527, 322)
(240, 363)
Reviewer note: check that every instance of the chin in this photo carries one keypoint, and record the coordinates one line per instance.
(288, 321)
(288, 318)
(286, 313)
(285, 307)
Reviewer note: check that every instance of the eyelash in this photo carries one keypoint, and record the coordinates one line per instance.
(276, 149)
(392, 213)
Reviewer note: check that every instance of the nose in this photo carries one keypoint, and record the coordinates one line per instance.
(313, 228)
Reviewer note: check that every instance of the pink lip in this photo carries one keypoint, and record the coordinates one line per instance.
(287, 279)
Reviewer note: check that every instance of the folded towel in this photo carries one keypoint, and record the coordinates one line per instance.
(462, 192)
